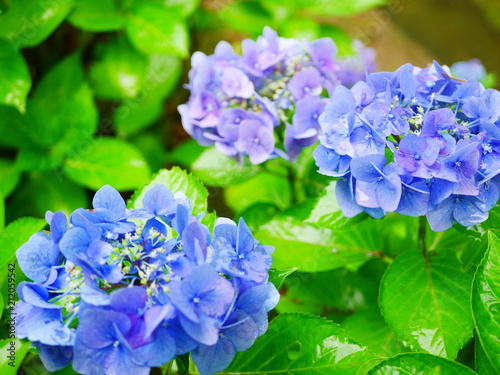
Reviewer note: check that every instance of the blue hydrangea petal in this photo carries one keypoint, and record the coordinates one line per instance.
(469, 211)
(97, 328)
(94, 296)
(212, 359)
(108, 198)
(37, 256)
(389, 192)
(129, 300)
(159, 201)
(36, 295)
(414, 199)
(156, 353)
(206, 331)
(441, 218)
(29, 316)
(344, 193)
(52, 332)
(195, 240)
(368, 168)
(58, 226)
(54, 358)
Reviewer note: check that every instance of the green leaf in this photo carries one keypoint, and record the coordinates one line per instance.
(339, 7)
(300, 28)
(327, 212)
(39, 158)
(108, 161)
(216, 169)
(369, 328)
(184, 7)
(2, 213)
(97, 16)
(28, 23)
(156, 29)
(313, 249)
(14, 128)
(152, 148)
(136, 115)
(15, 79)
(301, 344)
(186, 153)
(17, 233)
(277, 277)
(9, 177)
(9, 366)
(62, 111)
(425, 300)
(176, 180)
(473, 241)
(325, 293)
(486, 309)
(420, 364)
(247, 16)
(259, 214)
(263, 187)
(118, 71)
(40, 192)
(161, 78)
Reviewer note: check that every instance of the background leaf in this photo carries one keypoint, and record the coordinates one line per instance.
(425, 300)
(247, 16)
(97, 16)
(14, 128)
(2, 213)
(108, 161)
(118, 71)
(420, 364)
(301, 344)
(15, 79)
(369, 328)
(263, 187)
(157, 29)
(61, 112)
(277, 277)
(135, 114)
(338, 7)
(486, 309)
(20, 349)
(329, 293)
(313, 249)
(176, 180)
(216, 169)
(9, 177)
(40, 192)
(27, 23)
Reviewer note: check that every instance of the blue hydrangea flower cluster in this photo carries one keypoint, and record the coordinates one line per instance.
(118, 291)
(415, 141)
(237, 102)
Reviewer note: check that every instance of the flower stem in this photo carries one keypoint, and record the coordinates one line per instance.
(421, 235)
(291, 181)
